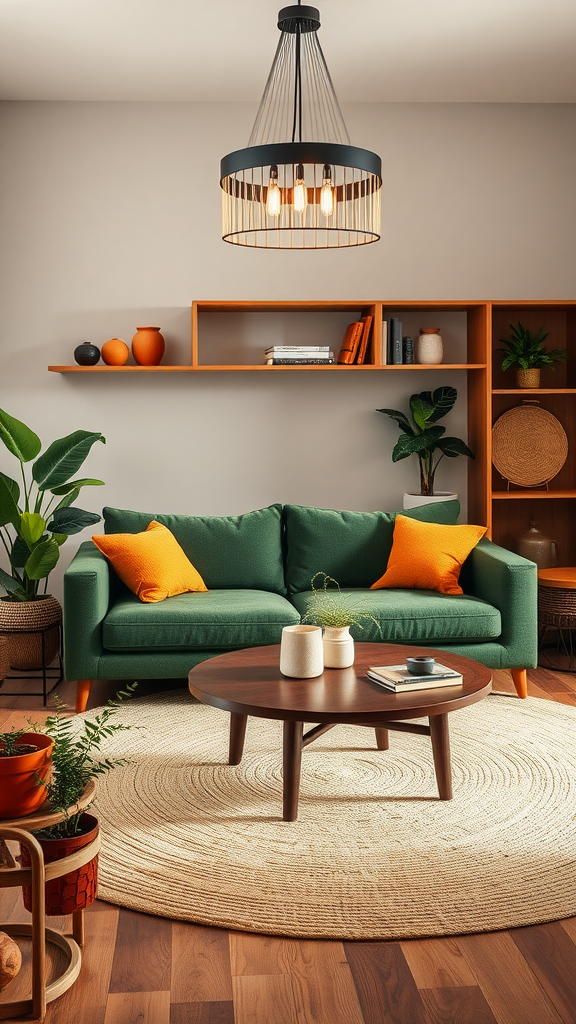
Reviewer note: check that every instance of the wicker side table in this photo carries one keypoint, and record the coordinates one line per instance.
(557, 618)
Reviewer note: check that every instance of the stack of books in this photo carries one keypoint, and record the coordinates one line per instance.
(355, 345)
(396, 348)
(288, 355)
(398, 679)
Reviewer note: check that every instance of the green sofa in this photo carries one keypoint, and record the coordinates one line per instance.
(258, 569)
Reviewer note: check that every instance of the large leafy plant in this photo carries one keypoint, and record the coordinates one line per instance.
(424, 437)
(526, 349)
(38, 514)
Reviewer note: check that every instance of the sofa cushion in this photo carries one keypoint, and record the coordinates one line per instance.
(428, 556)
(420, 617)
(219, 619)
(352, 547)
(151, 564)
(229, 552)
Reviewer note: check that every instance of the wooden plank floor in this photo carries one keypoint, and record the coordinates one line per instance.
(139, 969)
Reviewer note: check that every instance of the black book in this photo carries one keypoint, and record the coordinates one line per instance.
(394, 340)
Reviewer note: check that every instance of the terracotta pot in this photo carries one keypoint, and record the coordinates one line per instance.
(78, 888)
(528, 378)
(20, 793)
(20, 619)
(148, 346)
(115, 352)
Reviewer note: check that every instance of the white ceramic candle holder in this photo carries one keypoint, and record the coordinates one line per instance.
(301, 652)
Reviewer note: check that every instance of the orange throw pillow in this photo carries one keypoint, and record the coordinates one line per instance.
(152, 564)
(428, 556)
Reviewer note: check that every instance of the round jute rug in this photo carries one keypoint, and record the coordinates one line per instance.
(374, 854)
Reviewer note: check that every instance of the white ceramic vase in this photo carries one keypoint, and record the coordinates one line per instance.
(338, 647)
(429, 346)
(301, 652)
(411, 500)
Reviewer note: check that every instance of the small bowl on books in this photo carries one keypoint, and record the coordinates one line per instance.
(420, 665)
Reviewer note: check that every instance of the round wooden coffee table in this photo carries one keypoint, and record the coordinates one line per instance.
(249, 682)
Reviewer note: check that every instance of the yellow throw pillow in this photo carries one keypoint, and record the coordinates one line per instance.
(152, 564)
(428, 556)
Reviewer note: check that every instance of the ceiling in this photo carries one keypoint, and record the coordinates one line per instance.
(377, 50)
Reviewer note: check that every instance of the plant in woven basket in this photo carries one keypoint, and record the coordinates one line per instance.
(526, 350)
(424, 437)
(330, 608)
(38, 514)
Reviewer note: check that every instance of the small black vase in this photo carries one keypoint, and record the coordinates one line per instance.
(86, 354)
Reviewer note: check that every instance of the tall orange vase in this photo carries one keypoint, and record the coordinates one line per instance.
(148, 346)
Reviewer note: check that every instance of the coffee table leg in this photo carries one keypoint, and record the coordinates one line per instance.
(237, 734)
(382, 739)
(441, 752)
(292, 758)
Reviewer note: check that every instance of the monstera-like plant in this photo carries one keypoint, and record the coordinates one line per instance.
(37, 514)
(424, 437)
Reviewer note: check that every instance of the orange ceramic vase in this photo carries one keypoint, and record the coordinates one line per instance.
(148, 346)
(20, 792)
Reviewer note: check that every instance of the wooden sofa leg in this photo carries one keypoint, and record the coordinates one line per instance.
(520, 678)
(83, 687)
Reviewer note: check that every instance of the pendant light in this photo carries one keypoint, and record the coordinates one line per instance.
(300, 184)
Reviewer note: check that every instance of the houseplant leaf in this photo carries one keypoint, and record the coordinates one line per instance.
(12, 586)
(72, 520)
(12, 486)
(400, 418)
(42, 560)
(418, 444)
(63, 458)
(32, 527)
(453, 446)
(443, 401)
(19, 553)
(85, 482)
(9, 512)
(18, 438)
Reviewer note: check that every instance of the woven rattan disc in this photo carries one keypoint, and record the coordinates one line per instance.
(529, 445)
(374, 853)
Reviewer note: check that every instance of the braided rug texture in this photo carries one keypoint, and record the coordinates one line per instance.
(374, 854)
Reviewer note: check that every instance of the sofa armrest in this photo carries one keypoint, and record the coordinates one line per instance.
(510, 583)
(86, 600)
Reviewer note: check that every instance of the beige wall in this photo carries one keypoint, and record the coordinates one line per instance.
(110, 218)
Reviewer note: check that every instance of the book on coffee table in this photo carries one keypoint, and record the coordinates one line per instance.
(400, 680)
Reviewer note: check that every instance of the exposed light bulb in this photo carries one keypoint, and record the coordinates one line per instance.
(300, 191)
(274, 196)
(327, 193)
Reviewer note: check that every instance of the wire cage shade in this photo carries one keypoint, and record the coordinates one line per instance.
(300, 184)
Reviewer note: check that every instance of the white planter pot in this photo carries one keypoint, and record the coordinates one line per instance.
(338, 647)
(414, 500)
(301, 652)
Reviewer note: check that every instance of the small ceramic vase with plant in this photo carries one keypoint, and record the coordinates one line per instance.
(335, 612)
(424, 437)
(526, 350)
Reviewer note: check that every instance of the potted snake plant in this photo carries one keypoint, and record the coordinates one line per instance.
(37, 514)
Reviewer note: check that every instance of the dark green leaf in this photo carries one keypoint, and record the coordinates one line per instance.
(19, 553)
(453, 446)
(63, 458)
(11, 586)
(18, 438)
(42, 560)
(72, 520)
(417, 445)
(443, 400)
(12, 487)
(8, 508)
(84, 482)
(400, 418)
(68, 499)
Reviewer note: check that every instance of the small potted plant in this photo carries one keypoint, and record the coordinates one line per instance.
(426, 439)
(335, 612)
(75, 763)
(36, 517)
(527, 351)
(25, 764)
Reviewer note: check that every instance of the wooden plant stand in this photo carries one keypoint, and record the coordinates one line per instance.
(19, 830)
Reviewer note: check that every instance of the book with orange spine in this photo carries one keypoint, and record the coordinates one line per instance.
(366, 322)
(351, 341)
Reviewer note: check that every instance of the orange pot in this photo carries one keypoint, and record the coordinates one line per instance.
(78, 888)
(115, 352)
(20, 793)
(148, 346)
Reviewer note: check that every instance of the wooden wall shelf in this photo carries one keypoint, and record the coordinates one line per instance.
(219, 327)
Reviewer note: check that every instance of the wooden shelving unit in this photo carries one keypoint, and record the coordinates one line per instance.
(229, 337)
(553, 508)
